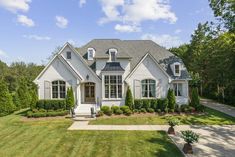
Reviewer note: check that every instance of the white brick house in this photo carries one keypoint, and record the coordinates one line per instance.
(100, 72)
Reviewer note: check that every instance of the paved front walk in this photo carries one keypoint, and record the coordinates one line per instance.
(218, 106)
(214, 141)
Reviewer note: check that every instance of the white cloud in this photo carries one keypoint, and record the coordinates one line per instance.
(36, 37)
(15, 5)
(25, 21)
(136, 11)
(61, 21)
(177, 31)
(164, 40)
(82, 2)
(127, 28)
(3, 53)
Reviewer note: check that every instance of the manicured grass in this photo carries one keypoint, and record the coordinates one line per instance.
(212, 117)
(51, 138)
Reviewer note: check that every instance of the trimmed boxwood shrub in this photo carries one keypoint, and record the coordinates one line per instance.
(146, 103)
(46, 114)
(106, 110)
(118, 112)
(114, 109)
(162, 103)
(154, 104)
(51, 104)
(171, 99)
(123, 108)
(143, 110)
(127, 112)
(150, 110)
(138, 103)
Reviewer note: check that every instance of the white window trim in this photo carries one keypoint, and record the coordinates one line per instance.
(58, 90)
(88, 53)
(112, 50)
(177, 85)
(177, 74)
(148, 89)
(67, 55)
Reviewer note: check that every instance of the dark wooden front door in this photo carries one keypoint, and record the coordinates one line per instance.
(89, 92)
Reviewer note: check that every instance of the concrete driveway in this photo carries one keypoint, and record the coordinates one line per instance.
(214, 141)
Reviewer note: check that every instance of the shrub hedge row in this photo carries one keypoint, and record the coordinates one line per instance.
(51, 104)
(38, 114)
(155, 104)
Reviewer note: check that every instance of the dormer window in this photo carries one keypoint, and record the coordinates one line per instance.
(177, 69)
(112, 55)
(90, 53)
(68, 55)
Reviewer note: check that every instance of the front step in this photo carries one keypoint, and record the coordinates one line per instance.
(83, 118)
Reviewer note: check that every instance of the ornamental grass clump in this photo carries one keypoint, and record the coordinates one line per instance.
(189, 137)
(172, 122)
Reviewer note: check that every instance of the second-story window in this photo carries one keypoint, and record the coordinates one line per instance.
(68, 55)
(90, 53)
(177, 69)
(112, 53)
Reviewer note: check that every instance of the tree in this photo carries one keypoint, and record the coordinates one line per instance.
(171, 99)
(34, 99)
(195, 102)
(70, 98)
(225, 11)
(23, 95)
(129, 99)
(6, 103)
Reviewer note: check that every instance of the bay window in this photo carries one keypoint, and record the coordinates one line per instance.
(178, 89)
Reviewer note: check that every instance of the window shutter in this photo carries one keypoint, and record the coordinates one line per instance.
(47, 90)
(137, 89)
(158, 90)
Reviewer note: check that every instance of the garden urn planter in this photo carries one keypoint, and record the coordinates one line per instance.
(171, 131)
(188, 149)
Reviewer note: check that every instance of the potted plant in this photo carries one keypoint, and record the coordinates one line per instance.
(189, 137)
(172, 122)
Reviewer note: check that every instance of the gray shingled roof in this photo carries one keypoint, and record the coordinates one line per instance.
(135, 50)
(112, 66)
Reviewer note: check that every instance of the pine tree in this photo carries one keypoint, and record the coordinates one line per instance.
(171, 99)
(6, 103)
(129, 99)
(23, 95)
(195, 102)
(70, 98)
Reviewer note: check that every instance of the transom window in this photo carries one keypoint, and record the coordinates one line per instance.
(68, 55)
(148, 88)
(113, 86)
(178, 89)
(58, 89)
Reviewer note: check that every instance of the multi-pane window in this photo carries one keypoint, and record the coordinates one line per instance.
(58, 89)
(90, 53)
(148, 88)
(177, 69)
(113, 56)
(68, 54)
(178, 89)
(113, 86)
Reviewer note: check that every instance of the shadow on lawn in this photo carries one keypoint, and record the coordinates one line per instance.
(166, 146)
(22, 112)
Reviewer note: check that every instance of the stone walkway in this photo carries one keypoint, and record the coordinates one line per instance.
(214, 141)
(218, 106)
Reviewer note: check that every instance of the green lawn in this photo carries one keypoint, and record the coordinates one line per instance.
(212, 117)
(50, 138)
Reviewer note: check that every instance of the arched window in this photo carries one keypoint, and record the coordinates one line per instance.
(148, 88)
(58, 89)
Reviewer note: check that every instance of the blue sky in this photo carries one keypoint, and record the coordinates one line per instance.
(31, 29)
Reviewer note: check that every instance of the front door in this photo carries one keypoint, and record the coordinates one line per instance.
(89, 92)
